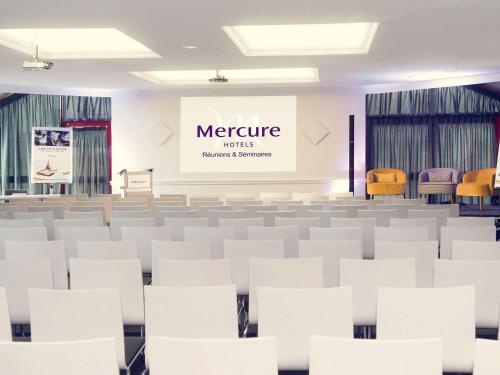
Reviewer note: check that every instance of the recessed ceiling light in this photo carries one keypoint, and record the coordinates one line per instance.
(98, 43)
(434, 74)
(236, 76)
(188, 46)
(307, 39)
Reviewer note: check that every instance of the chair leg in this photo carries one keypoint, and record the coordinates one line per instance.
(481, 203)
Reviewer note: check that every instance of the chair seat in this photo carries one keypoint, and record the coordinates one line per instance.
(438, 183)
(383, 188)
(473, 189)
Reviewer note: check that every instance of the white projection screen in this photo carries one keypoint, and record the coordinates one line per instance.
(238, 134)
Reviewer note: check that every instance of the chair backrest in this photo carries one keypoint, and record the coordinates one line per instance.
(21, 234)
(48, 219)
(57, 211)
(106, 250)
(240, 251)
(58, 223)
(70, 215)
(116, 224)
(428, 222)
(191, 312)
(486, 358)
(51, 250)
(19, 275)
(122, 274)
(400, 207)
(97, 357)
(131, 215)
(289, 235)
(364, 276)
(184, 214)
(402, 233)
(331, 252)
(283, 204)
(336, 234)
(168, 206)
(441, 216)
(378, 357)
(446, 313)
(325, 217)
(72, 235)
(301, 209)
(215, 216)
(470, 221)
(213, 357)
(413, 202)
(238, 204)
(241, 225)
(270, 216)
(216, 236)
(292, 315)
(383, 217)
(352, 209)
(367, 226)
(177, 225)
(205, 209)
(5, 328)
(475, 250)
(304, 224)
(282, 273)
(424, 252)
(253, 209)
(130, 209)
(65, 315)
(21, 223)
(144, 236)
(177, 250)
(484, 276)
(449, 234)
(184, 273)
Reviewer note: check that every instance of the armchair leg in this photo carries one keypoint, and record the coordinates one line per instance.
(481, 203)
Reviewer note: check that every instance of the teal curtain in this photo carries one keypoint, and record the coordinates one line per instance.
(16, 120)
(401, 144)
(90, 161)
(86, 108)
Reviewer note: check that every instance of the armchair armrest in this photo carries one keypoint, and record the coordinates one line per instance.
(469, 177)
(423, 176)
(455, 176)
(401, 177)
(370, 177)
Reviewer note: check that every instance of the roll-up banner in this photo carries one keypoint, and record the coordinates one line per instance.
(51, 155)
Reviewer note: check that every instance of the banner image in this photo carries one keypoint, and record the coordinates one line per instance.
(238, 134)
(52, 155)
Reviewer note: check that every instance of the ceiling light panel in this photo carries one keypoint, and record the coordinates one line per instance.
(95, 43)
(307, 39)
(237, 76)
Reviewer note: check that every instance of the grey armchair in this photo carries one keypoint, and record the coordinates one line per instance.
(438, 181)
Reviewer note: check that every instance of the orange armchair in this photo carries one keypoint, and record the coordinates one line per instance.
(479, 183)
(386, 181)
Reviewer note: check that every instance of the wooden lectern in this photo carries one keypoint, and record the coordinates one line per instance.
(137, 181)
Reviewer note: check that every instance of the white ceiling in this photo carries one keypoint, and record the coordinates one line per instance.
(413, 35)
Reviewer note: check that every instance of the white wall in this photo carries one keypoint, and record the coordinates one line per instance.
(323, 167)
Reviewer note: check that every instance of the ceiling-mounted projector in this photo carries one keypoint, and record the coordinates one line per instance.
(37, 63)
(218, 78)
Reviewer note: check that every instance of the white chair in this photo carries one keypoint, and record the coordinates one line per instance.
(484, 276)
(418, 313)
(331, 252)
(96, 357)
(106, 250)
(252, 210)
(352, 209)
(58, 223)
(308, 197)
(131, 215)
(122, 274)
(292, 315)
(470, 221)
(325, 217)
(336, 234)
(92, 209)
(238, 204)
(378, 357)
(64, 315)
(21, 234)
(51, 250)
(58, 211)
(186, 273)
(160, 207)
(5, 328)
(213, 357)
(185, 214)
(424, 252)
(475, 250)
(429, 222)
(205, 204)
(383, 217)
(177, 225)
(301, 209)
(367, 226)
(141, 208)
(241, 225)
(400, 207)
(240, 251)
(283, 204)
(3, 215)
(341, 195)
(72, 235)
(215, 216)
(402, 234)
(304, 224)
(289, 235)
(441, 216)
(413, 202)
(70, 215)
(191, 312)
(450, 234)
(144, 236)
(453, 209)
(270, 216)
(205, 209)
(268, 196)
(116, 224)
(128, 203)
(364, 276)
(48, 219)
(282, 273)
(8, 209)
(486, 358)
(216, 236)
(21, 223)
(17, 276)
(177, 250)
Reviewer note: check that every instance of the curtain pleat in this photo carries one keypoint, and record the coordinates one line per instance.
(86, 108)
